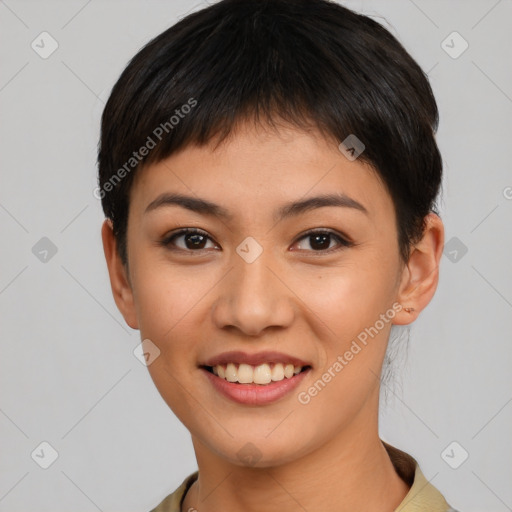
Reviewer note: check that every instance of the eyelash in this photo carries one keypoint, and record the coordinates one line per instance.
(343, 242)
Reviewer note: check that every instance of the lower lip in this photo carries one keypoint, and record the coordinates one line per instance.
(255, 394)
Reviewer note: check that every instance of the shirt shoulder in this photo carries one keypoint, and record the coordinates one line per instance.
(173, 502)
(422, 495)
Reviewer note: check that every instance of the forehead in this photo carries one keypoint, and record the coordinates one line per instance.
(255, 169)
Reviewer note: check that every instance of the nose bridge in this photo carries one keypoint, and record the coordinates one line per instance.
(253, 279)
(253, 298)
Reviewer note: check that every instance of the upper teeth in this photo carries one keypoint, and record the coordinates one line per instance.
(261, 374)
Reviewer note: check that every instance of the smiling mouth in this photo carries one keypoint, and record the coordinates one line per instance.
(262, 374)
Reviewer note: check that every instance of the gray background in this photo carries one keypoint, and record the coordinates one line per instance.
(68, 375)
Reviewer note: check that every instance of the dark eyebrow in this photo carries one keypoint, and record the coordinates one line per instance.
(205, 207)
(312, 203)
(190, 203)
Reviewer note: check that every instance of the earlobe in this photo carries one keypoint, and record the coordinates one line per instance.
(421, 273)
(119, 282)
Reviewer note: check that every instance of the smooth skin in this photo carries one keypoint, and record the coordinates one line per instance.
(304, 298)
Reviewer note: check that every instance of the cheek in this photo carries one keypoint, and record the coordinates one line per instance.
(165, 296)
(350, 302)
(350, 298)
(166, 301)
(353, 343)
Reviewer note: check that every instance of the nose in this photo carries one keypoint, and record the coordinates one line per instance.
(253, 297)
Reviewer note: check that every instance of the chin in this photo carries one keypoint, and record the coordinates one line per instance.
(259, 452)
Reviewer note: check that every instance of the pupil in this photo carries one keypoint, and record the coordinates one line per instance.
(197, 241)
(319, 241)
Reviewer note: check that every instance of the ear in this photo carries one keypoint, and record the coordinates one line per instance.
(119, 281)
(421, 273)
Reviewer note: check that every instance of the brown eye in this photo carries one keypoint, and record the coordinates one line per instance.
(188, 240)
(321, 241)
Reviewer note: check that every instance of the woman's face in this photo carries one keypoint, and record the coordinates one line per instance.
(257, 282)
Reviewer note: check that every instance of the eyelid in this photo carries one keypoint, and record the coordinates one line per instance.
(344, 240)
(167, 240)
(330, 231)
